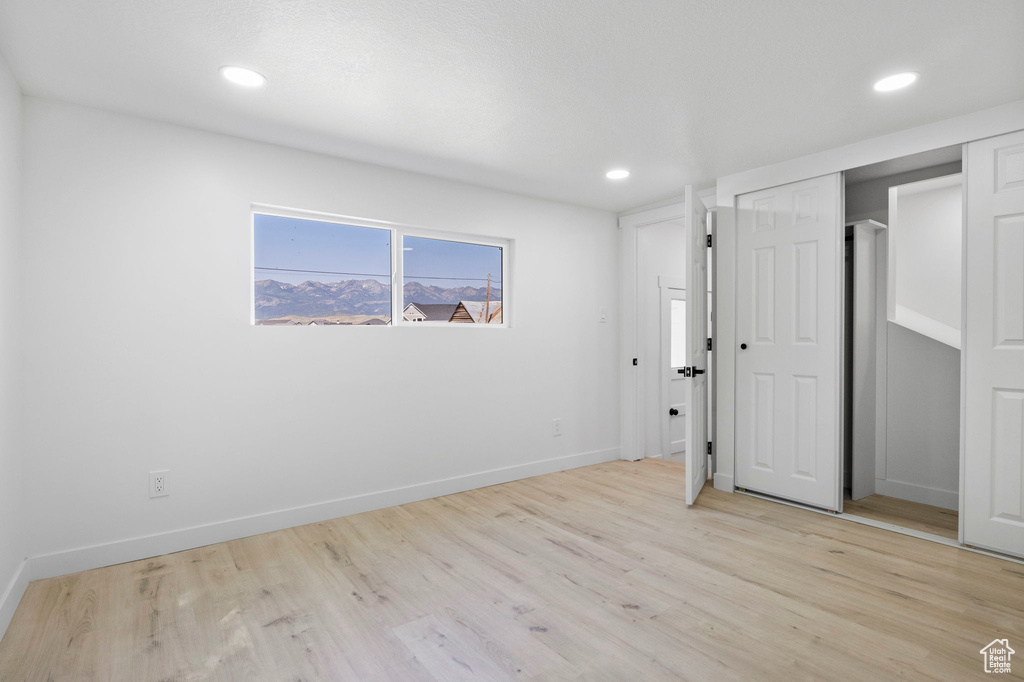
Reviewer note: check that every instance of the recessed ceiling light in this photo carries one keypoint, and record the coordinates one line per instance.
(239, 75)
(895, 81)
(617, 174)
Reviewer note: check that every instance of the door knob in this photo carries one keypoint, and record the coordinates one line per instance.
(673, 411)
(743, 346)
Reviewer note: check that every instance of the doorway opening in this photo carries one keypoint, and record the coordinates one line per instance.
(666, 402)
(661, 272)
(902, 342)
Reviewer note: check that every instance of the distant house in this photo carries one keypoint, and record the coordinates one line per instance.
(279, 322)
(463, 311)
(374, 321)
(429, 312)
(475, 311)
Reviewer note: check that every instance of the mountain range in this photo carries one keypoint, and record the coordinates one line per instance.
(352, 297)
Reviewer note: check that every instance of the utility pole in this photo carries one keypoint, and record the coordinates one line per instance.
(487, 305)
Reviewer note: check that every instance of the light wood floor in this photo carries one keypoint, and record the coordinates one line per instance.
(922, 517)
(600, 573)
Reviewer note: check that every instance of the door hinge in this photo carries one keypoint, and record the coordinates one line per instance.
(709, 447)
(634, 362)
(709, 343)
(709, 241)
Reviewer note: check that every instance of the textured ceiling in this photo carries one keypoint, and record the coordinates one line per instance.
(538, 97)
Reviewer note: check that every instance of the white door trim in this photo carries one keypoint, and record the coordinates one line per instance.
(865, 355)
(981, 124)
(962, 490)
(630, 395)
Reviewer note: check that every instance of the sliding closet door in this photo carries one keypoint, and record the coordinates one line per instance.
(993, 470)
(788, 360)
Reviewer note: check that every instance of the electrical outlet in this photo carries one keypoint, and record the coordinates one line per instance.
(158, 483)
(556, 427)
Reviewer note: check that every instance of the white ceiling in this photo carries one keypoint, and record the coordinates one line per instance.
(539, 97)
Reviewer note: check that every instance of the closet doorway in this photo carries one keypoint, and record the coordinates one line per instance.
(902, 351)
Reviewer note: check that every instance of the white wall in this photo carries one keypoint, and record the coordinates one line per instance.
(12, 517)
(661, 251)
(923, 420)
(926, 254)
(141, 354)
(870, 200)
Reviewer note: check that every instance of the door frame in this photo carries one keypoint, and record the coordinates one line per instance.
(631, 439)
(868, 349)
(666, 285)
(955, 131)
(631, 399)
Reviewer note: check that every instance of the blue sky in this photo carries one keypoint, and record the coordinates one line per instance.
(460, 264)
(323, 248)
(329, 252)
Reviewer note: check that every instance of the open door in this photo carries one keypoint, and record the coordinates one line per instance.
(696, 346)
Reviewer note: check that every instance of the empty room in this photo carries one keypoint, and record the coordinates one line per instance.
(511, 340)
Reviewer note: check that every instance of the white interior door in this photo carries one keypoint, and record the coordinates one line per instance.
(696, 346)
(674, 359)
(788, 328)
(992, 496)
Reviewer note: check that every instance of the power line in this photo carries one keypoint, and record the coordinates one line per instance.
(460, 279)
(322, 272)
(367, 274)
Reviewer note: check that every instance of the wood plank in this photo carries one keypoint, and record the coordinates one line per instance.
(599, 573)
(914, 515)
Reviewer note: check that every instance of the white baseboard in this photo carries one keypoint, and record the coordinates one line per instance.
(12, 595)
(133, 549)
(724, 482)
(947, 499)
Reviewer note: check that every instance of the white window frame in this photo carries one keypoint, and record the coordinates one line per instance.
(399, 272)
(398, 232)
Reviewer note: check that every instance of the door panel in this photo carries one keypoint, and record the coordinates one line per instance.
(674, 307)
(696, 346)
(993, 459)
(789, 317)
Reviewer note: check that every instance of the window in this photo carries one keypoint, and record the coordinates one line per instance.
(450, 281)
(677, 333)
(311, 272)
(321, 272)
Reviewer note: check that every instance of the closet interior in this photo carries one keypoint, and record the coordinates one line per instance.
(902, 341)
